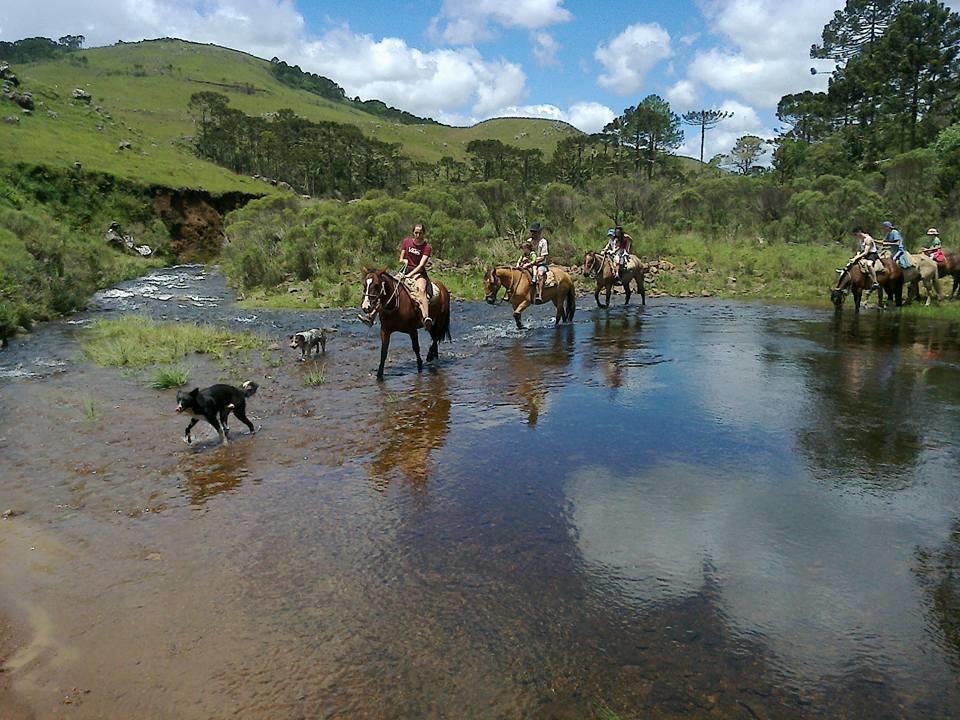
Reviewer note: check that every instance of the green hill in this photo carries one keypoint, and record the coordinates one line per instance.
(140, 93)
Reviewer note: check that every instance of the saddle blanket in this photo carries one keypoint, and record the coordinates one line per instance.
(410, 284)
(877, 266)
(550, 280)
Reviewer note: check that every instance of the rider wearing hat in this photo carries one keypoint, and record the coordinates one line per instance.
(934, 248)
(542, 250)
(614, 251)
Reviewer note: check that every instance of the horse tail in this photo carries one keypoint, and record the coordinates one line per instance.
(571, 303)
(441, 328)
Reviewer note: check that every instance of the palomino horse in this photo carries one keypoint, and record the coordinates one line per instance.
(520, 291)
(385, 295)
(602, 265)
(924, 269)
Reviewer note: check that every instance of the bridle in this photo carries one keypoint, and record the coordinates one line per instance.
(491, 297)
(594, 268)
(377, 299)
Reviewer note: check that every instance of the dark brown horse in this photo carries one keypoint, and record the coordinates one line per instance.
(602, 265)
(520, 291)
(855, 281)
(950, 267)
(389, 298)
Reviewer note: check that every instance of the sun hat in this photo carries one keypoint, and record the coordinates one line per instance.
(887, 224)
(932, 231)
(536, 227)
(611, 232)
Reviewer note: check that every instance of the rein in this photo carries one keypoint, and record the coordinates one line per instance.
(377, 298)
(497, 284)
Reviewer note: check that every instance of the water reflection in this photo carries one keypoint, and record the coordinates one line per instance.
(526, 371)
(216, 470)
(412, 424)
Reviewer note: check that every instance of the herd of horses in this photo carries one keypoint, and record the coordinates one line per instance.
(387, 297)
(854, 281)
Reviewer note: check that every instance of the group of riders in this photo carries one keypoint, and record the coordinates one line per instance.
(415, 253)
(618, 248)
(869, 249)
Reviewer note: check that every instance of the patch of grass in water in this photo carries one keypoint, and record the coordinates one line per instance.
(170, 377)
(315, 377)
(89, 408)
(134, 341)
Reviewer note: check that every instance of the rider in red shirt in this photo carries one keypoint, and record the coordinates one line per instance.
(414, 253)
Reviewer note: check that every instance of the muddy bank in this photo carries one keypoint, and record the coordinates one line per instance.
(194, 219)
(10, 641)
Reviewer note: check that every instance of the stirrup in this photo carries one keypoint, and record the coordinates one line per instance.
(365, 319)
(427, 324)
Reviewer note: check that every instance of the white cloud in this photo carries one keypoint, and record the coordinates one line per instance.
(545, 49)
(682, 95)
(766, 53)
(630, 55)
(590, 117)
(465, 22)
(423, 82)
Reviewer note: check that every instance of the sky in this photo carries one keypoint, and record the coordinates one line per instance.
(461, 61)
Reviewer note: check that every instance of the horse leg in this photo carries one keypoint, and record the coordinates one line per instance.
(415, 339)
(626, 290)
(596, 296)
(857, 294)
(384, 346)
(517, 310)
(609, 290)
(641, 290)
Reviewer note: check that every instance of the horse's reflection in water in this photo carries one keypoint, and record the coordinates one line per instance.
(413, 423)
(532, 370)
(612, 339)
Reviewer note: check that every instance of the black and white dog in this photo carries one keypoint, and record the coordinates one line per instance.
(213, 404)
(309, 340)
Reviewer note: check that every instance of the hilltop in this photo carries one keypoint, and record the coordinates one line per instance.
(139, 95)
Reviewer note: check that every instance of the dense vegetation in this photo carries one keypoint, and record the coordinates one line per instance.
(882, 143)
(293, 76)
(52, 253)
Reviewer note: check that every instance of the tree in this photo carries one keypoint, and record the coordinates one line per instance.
(746, 151)
(72, 42)
(650, 129)
(808, 114)
(857, 26)
(705, 120)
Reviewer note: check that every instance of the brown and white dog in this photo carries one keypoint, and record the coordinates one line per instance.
(309, 340)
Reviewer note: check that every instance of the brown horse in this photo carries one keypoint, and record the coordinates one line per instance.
(520, 291)
(602, 265)
(389, 298)
(855, 281)
(950, 267)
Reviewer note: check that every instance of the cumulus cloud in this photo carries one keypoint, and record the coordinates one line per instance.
(423, 82)
(465, 22)
(590, 117)
(682, 95)
(631, 55)
(769, 43)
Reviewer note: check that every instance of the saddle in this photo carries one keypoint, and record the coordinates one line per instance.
(550, 280)
(878, 266)
(410, 284)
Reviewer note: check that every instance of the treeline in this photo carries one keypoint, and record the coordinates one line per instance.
(316, 158)
(39, 48)
(294, 77)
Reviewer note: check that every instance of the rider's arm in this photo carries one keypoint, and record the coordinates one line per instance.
(420, 265)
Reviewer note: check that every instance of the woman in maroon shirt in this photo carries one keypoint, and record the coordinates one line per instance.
(414, 253)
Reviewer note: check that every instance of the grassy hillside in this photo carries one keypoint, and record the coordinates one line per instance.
(143, 90)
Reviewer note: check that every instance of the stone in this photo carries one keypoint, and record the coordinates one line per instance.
(124, 145)
(81, 94)
(10, 120)
(52, 115)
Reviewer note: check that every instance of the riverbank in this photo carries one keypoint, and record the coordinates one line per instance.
(11, 640)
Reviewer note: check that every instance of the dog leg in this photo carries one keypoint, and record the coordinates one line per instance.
(186, 433)
(242, 417)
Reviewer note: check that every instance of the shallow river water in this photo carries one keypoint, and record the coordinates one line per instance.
(694, 509)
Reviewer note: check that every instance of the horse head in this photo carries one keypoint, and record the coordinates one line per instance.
(837, 296)
(491, 285)
(590, 263)
(373, 290)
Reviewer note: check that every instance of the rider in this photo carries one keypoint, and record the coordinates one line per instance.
(542, 251)
(894, 240)
(613, 251)
(527, 260)
(867, 250)
(414, 253)
(934, 249)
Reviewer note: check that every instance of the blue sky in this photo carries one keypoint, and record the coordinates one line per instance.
(461, 61)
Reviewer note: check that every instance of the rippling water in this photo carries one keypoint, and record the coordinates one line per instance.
(694, 508)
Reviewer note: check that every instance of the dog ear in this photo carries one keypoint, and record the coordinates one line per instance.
(195, 391)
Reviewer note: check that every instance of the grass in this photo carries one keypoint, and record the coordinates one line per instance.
(134, 341)
(89, 408)
(143, 89)
(315, 377)
(170, 377)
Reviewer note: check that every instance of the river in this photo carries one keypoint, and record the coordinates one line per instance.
(700, 508)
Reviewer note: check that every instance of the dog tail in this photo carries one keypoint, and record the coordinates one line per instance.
(249, 387)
